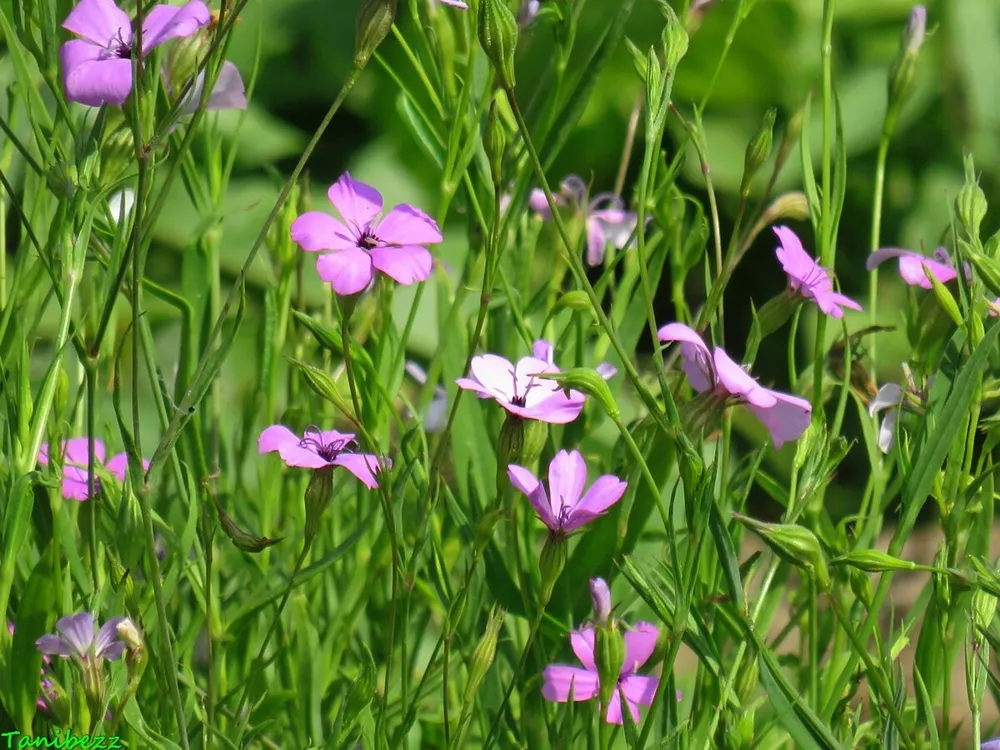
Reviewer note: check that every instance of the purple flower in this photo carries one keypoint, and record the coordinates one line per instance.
(559, 680)
(912, 265)
(320, 450)
(98, 68)
(229, 91)
(76, 638)
(807, 277)
(366, 242)
(566, 507)
(517, 390)
(786, 417)
(600, 596)
(455, 4)
(75, 455)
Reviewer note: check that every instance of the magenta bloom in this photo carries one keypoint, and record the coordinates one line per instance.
(560, 679)
(517, 390)
(566, 507)
(912, 265)
(786, 417)
(807, 277)
(76, 638)
(98, 68)
(320, 450)
(364, 242)
(74, 476)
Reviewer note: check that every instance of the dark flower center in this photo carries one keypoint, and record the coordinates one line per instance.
(367, 241)
(120, 48)
(519, 400)
(313, 440)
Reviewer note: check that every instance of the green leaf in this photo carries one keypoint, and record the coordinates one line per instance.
(35, 616)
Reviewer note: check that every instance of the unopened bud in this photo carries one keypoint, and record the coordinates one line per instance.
(551, 564)
(984, 607)
(970, 204)
(498, 38)
(747, 681)
(904, 67)
(987, 269)
(130, 529)
(792, 543)
(62, 179)
(758, 151)
(363, 689)
(482, 656)
(861, 585)
(674, 39)
(495, 144)
(600, 596)
(374, 21)
(873, 561)
(129, 633)
(916, 28)
(609, 656)
(589, 382)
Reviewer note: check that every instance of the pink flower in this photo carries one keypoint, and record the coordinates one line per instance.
(76, 638)
(98, 68)
(786, 417)
(366, 242)
(912, 265)
(807, 277)
(566, 507)
(75, 457)
(228, 92)
(455, 4)
(517, 390)
(638, 690)
(320, 450)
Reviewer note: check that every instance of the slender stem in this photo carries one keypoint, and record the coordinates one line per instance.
(883, 153)
(535, 625)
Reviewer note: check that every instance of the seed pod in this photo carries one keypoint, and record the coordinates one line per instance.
(374, 21)
(498, 38)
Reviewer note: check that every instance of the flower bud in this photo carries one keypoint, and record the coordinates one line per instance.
(576, 299)
(904, 67)
(136, 654)
(987, 269)
(498, 37)
(529, 9)
(374, 21)
(945, 298)
(182, 61)
(747, 681)
(56, 700)
(609, 656)
(318, 496)
(984, 608)
(280, 247)
(130, 529)
(758, 151)
(483, 654)
(674, 39)
(792, 543)
(363, 689)
(600, 596)
(587, 381)
(495, 144)
(873, 561)
(117, 155)
(62, 179)
(861, 585)
(551, 564)
(970, 207)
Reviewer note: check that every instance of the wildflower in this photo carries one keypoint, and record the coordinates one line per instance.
(437, 411)
(75, 458)
(529, 9)
(517, 390)
(993, 744)
(229, 92)
(321, 450)
(98, 68)
(76, 639)
(600, 596)
(912, 265)
(455, 4)
(559, 680)
(807, 277)
(566, 507)
(785, 417)
(365, 242)
(891, 398)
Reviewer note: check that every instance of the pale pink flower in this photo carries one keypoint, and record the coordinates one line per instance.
(807, 277)
(322, 450)
(912, 265)
(559, 680)
(566, 507)
(365, 241)
(785, 417)
(75, 637)
(75, 462)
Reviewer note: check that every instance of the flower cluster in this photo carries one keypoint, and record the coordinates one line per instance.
(75, 476)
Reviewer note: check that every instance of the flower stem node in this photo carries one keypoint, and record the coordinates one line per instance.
(374, 21)
(498, 37)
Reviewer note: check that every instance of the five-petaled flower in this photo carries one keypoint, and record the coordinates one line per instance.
(914, 267)
(786, 417)
(321, 450)
(75, 638)
(565, 508)
(75, 462)
(97, 69)
(365, 242)
(517, 389)
(807, 277)
(560, 680)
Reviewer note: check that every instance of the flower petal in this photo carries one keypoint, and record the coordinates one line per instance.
(559, 680)
(912, 265)
(347, 271)
(75, 484)
(639, 688)
(738, 382)
(99, 21)
(229, 91)
(77, 631)
(315, 230)
(408, 225)
(362, 465)
(95, 82)
(495, 374)
(603, 493)
(107, 637)
(786, 420)
(567, 477)
(544, 351)
(405, 264)
(640, 642)
(538, 203)
(456, 4)
(582, 642)
(53, 645)
(889, 395)
(595, 242)
(274, 437)
(887, 432)
(76, 452)
(696, 355)
(165, 22)
(298, 456)
(614, 713)
(357, 202)
(556, 409)
(528, 485)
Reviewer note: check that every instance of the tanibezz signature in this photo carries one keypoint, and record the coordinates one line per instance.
(65, 741)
